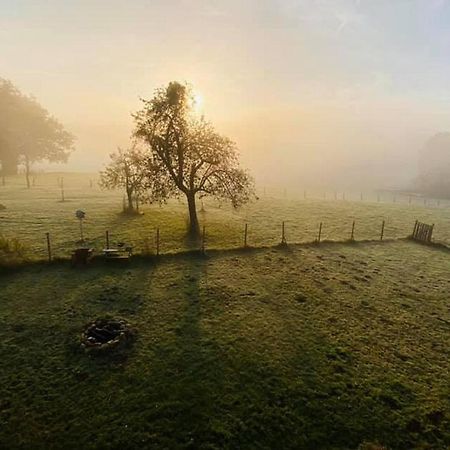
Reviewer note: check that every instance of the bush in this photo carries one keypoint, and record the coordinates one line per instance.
(11, 250)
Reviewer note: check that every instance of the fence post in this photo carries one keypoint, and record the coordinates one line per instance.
(352, 237)
(3, 180)
(335, 195)
(157, 241)
(416, 230)
(409, 200)
(361, 196)
(343, 196)
(49, 248)
(203, 240)
(320, 233)
(283, 235)
(107, 239)
(245, 235)
(431, 232)
(304, 194)
(378, 197)
(382, 231)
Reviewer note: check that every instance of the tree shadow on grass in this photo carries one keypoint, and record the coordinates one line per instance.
(191, 370)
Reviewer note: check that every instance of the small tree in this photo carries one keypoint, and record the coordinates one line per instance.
(186, 155)
(126, 170)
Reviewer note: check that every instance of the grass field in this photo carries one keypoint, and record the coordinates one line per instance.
(306, 347)
(337, 346)
(29, 214)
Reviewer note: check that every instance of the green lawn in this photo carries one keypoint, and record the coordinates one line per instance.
(29, 214)
(305, 347)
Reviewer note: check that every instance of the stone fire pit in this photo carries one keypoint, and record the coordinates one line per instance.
(106, 334)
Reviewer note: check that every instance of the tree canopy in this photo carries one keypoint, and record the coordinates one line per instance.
(28, 133)
(186, 156)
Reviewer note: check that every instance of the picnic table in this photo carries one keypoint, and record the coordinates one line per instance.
(120, 253)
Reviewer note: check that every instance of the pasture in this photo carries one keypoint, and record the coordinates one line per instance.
(336, 346)
(30, 213)
(330, 347)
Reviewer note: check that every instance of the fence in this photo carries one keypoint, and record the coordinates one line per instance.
(202, 241)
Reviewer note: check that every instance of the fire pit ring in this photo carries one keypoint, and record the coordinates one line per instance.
(106, 334)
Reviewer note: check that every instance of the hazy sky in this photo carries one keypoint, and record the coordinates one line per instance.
(309, 89)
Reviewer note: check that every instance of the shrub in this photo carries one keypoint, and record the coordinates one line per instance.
(11, 250)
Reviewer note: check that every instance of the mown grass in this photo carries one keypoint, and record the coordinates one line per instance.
(29, 214)
(315, 347)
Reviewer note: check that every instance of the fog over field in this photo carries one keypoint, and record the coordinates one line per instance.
(333, 92)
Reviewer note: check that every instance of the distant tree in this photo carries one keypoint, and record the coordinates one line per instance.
(186, 155)
(10, 99)
(28, 133)
(434, 166)
(127, 170)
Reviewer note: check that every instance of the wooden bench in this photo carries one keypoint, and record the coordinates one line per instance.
(114, 254)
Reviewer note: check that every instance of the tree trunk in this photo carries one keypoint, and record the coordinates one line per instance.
(27, 171)
(130, 199)
(194, 227)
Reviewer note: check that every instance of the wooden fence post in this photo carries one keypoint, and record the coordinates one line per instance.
(304, 194)
(283, 235)
(335, 195)
(245, 235)
(157, 241)
(3, 180)
(343, 196)
(107, 239)
(49, 248)
(352, 236)
(415, 229)
(409, 200)
(320, 233)
(378, 197)
(382, 231)
(361, 196)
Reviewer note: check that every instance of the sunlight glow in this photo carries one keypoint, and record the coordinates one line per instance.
(198, 102)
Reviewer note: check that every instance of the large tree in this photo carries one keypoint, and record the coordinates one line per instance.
(28, 133)
(186, 155)
(126, 170)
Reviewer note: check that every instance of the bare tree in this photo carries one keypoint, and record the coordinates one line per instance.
(126, 170)
(186, 155)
